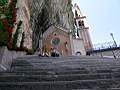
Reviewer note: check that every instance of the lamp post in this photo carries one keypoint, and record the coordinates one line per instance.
(113, 39)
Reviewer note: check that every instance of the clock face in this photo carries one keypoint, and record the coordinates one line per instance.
(56, 41)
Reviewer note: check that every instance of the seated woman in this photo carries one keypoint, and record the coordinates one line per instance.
(45, 54)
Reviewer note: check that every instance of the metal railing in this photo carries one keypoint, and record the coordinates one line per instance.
(100, 48)
(105, 45)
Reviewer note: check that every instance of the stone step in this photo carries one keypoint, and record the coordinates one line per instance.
(114, 89)
(20, 62)
(70, 62)
(83, 89)
(69, 70)
(55, 77)
(64, 60)
(47, 68)
(97, 88)
(58, 72)
(48, 71)
(70, 57)
(64, 67)
(62, 73)
(67, 63)
(47, 88)
(61, 85)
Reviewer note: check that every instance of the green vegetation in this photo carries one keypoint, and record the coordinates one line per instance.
(3, 2)
(7, 21)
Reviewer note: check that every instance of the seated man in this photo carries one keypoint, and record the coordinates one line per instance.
(54, 53)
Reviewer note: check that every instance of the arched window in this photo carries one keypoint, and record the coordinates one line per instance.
(80, 23)
(56, 41)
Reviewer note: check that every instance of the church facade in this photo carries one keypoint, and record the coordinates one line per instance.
(57, 38)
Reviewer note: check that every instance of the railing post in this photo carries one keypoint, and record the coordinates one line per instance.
(114, 55)
(100, 52)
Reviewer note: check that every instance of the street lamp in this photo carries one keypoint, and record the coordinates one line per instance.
(113, 39)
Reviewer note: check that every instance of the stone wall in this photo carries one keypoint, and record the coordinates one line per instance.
(79, 46)
(6, 58)
(23, 14)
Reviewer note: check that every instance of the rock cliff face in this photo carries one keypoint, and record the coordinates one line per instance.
(45, 13)
(39, 15)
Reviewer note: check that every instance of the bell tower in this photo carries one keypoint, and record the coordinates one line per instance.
(82, 31)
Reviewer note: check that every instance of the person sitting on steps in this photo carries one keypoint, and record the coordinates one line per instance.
(54, 53)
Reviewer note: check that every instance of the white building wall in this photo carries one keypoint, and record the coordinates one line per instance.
(79, 46)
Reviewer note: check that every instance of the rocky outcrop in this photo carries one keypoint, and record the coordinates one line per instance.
(45, 13)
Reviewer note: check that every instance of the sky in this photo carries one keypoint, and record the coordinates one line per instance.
(103, 17)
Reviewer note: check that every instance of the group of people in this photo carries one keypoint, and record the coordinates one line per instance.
(52, 53)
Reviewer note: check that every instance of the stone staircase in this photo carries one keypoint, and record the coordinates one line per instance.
(70, 73)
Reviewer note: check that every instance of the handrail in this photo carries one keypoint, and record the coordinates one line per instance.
(117, 54)
(114, 50)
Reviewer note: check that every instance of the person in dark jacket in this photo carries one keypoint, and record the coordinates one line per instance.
(54, 53)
